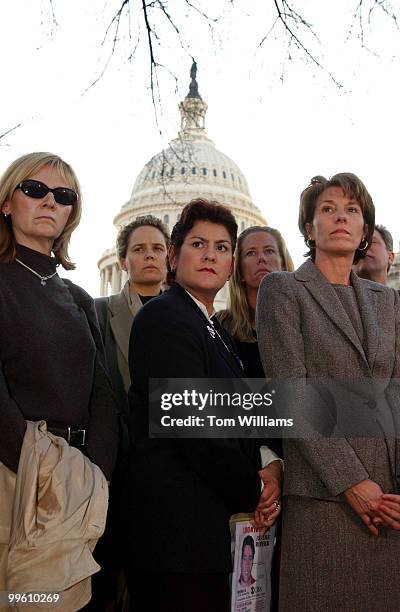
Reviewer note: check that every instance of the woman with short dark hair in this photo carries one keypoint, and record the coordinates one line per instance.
(182, 492)
(142, 253)
(335, 339)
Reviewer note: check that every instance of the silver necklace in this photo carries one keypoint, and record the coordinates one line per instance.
(43, 279)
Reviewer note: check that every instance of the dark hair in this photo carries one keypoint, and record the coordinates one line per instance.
(201, 210)
(126, 231)
(386, 237)
(248, 541)
(352, 187)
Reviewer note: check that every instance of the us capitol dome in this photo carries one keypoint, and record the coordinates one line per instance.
(190, 167)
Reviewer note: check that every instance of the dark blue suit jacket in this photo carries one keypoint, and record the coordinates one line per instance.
(182, 492)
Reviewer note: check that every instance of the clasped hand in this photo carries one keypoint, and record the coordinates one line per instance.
(269, 505)
(374, 507)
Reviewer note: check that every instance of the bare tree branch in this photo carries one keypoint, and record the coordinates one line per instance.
(360, 19)
(290, 13)
(287, 16)
(206, 17)
(162, 7)
(264, 38)
(386, 8)
(115, 21)
(10, 130)
(53, 14)
(294, 23)
(54, 22)
(153, 64)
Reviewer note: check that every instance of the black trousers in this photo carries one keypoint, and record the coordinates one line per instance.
(170, 592)
(108, 585)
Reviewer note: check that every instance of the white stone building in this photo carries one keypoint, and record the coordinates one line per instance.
(191, 167)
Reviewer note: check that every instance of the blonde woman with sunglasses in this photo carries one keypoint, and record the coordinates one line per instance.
(51, 363)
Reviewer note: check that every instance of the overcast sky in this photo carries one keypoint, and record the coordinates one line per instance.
(280, 118)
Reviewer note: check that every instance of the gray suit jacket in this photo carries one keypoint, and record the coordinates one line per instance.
(115, 319)
(304, 332)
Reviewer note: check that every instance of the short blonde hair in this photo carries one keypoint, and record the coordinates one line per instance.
(21, 169)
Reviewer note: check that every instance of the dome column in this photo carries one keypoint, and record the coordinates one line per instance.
(114, 279)
(102, 283)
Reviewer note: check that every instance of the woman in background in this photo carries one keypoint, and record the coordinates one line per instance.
(259, 251)
(142, 253)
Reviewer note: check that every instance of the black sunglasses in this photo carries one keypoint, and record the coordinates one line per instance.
(36, 189)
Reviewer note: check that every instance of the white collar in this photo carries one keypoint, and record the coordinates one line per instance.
(202, 307)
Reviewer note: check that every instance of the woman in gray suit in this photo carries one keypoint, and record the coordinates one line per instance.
(341, 516)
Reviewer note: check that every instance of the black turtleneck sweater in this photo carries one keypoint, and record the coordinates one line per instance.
(47, 356)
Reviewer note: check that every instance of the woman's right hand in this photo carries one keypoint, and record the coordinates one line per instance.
(365, 498)
(269, 505)
(389, 511)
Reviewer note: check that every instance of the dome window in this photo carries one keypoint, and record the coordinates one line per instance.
(233, 178)
(224, 173)
(172, 171)
(205, 171)
(193, 170)
(183, 170)
(166, 219)
(214, 172)
(153, 175)
(239, 180)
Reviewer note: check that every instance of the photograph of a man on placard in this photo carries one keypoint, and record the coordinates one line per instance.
(246, 564)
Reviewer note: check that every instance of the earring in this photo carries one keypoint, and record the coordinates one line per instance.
(5, 215)
(364, 248)
(310, 243)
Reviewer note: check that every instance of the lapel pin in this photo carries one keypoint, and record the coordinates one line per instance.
(211, 330)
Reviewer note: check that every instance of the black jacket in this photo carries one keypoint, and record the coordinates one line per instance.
(182, 492)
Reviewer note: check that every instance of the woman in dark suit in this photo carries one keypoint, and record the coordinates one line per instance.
(340, 548)
(182, 492)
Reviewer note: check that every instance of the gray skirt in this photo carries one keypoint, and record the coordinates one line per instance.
(331, 563)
